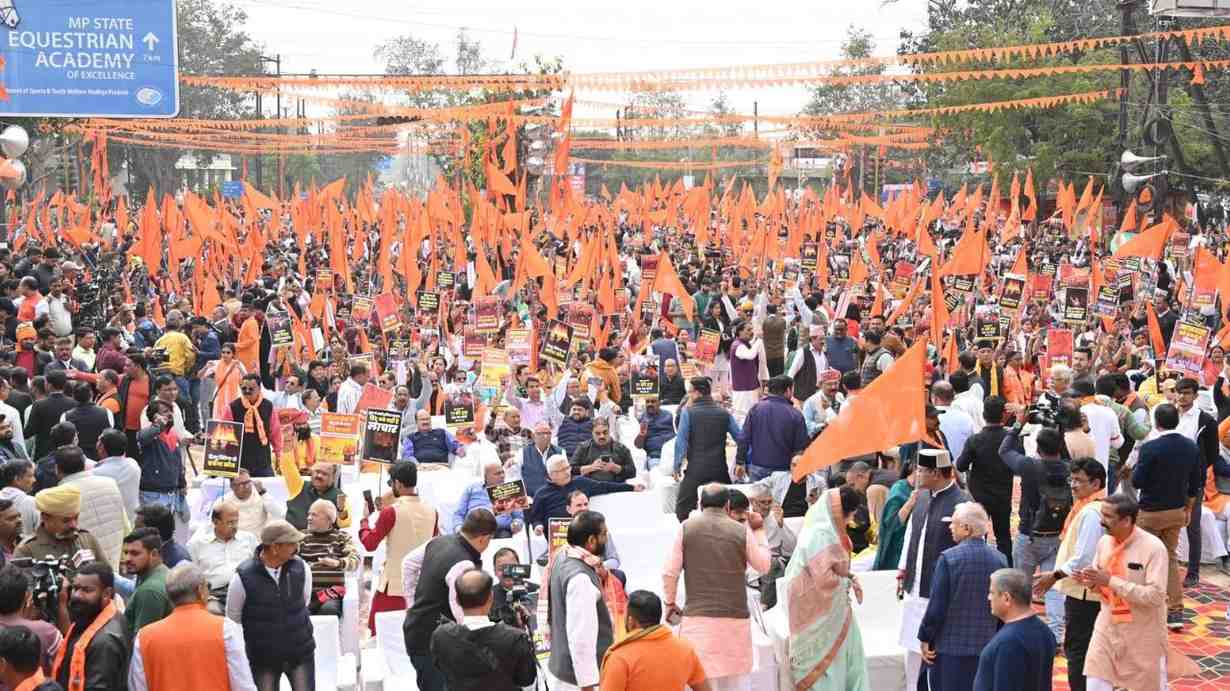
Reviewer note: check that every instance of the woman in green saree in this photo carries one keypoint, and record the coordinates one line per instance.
(826, 648)
(892, 525)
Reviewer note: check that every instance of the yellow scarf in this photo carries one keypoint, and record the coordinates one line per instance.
(76, 667)
(252, 421)
(994, 378)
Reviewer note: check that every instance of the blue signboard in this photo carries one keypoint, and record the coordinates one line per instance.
(82, 58)
(232, 189)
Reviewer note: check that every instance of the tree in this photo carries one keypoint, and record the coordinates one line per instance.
(212, 41)
(720, 108)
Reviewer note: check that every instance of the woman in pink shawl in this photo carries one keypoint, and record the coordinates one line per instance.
(826, 647)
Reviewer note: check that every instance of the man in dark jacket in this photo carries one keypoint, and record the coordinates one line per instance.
(603, 458)
(990, 480)
(701, 439)
(46, 413)
(102, 660)
(575, 429)
(671, 387)
(90, 419)
(552, 500)
(476, 654)
(773, 432)
(431, 573)
(958, 624)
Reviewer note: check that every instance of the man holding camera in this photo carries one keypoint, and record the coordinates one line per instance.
(479, 654)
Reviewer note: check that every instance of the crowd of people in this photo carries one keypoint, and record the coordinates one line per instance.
(1069, 457)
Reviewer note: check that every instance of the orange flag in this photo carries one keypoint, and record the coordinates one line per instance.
(1129, 219)
(890, 411)
(939, 308)
(667, 282)
(1155, 332)
(951, 355)
(1150, 243)
(906, 304)
(498, 182)
(1031, 211)
(969, 257)
(877, 304)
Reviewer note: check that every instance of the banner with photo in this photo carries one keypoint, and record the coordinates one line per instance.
(339, 439)
(223, 448)
(381, 431)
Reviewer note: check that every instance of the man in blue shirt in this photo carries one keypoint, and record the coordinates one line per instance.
(1021, 656)
(475, 497)
(427, 445)
(657, 428)
(773, 432)
(840, 349)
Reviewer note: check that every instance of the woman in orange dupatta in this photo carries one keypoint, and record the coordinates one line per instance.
(226, 372)
(826, 646)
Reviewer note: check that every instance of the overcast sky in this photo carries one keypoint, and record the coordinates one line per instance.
(340, 35)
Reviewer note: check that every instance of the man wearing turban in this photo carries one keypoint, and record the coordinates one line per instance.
(58, 535)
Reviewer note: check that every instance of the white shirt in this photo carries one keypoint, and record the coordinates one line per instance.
(1104, 428)
(412, 566)
(220, 559)
(957, 428)
(58, 317)
(348, 395)
(1189, 423)
(582, 626)
(237, 667)
(282, 399)
(796, 364)
(127, 475)
(10, 413)
(236, 596)
(970, 401)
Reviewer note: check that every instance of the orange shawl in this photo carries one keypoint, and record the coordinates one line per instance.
(76, 666)
(1120, 612)
(252, 421)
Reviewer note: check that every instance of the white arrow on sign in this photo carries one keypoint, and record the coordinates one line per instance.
(150, 41)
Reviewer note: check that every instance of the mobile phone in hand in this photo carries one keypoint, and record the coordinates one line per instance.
(367, 499)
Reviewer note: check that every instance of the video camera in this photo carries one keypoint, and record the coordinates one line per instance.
(520, 601)
(1043, 413)
(45, 577)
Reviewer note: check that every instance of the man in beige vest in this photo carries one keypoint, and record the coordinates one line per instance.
(406, 523)
(1078, 544)
(714, 551)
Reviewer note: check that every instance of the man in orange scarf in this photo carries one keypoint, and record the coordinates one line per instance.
(262, 430)
(96, 634)
(1129, 646)
(1077, 544)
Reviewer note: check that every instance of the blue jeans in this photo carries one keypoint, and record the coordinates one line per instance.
(176, 502)
(756, 473)
(1029, 553)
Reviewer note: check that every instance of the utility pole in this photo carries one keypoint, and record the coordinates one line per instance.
(260, 168)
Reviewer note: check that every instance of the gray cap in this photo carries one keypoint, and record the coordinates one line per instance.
(280, 533)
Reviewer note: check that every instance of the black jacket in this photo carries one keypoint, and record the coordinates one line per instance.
(493, 658)
(106, 660)
(614, 451)
(44, 415)
(990, 478)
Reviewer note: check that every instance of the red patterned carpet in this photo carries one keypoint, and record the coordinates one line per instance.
(1205, 638)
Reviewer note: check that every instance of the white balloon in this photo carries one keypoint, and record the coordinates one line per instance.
(18, 181)
(14, 141)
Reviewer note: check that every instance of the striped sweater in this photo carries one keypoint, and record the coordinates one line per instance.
(335, 544)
